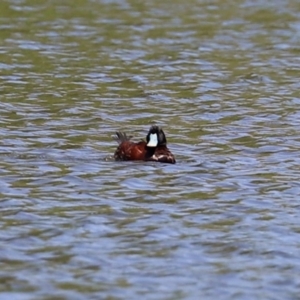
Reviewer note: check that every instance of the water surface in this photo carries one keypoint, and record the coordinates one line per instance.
(221, 78)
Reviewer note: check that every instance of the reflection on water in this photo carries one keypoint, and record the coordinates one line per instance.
(221, 79)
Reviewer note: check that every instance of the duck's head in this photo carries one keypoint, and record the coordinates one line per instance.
(156, 137)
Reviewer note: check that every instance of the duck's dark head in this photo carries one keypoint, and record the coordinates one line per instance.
(156, 137)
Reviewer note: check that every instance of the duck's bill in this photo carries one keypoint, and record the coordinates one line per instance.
(153, 141)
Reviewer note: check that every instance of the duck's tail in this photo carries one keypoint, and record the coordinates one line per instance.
(122, 137)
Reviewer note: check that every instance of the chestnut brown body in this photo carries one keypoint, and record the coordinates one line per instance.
(153, 149)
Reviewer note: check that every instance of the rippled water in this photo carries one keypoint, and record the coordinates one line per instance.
(221, 78)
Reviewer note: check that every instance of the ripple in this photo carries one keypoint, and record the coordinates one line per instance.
(223, 83)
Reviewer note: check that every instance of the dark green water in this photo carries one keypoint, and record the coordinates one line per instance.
(221, 78)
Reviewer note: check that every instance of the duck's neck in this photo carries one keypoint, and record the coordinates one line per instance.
(150, 151)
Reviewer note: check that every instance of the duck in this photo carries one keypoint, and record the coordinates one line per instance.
(153, 149)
